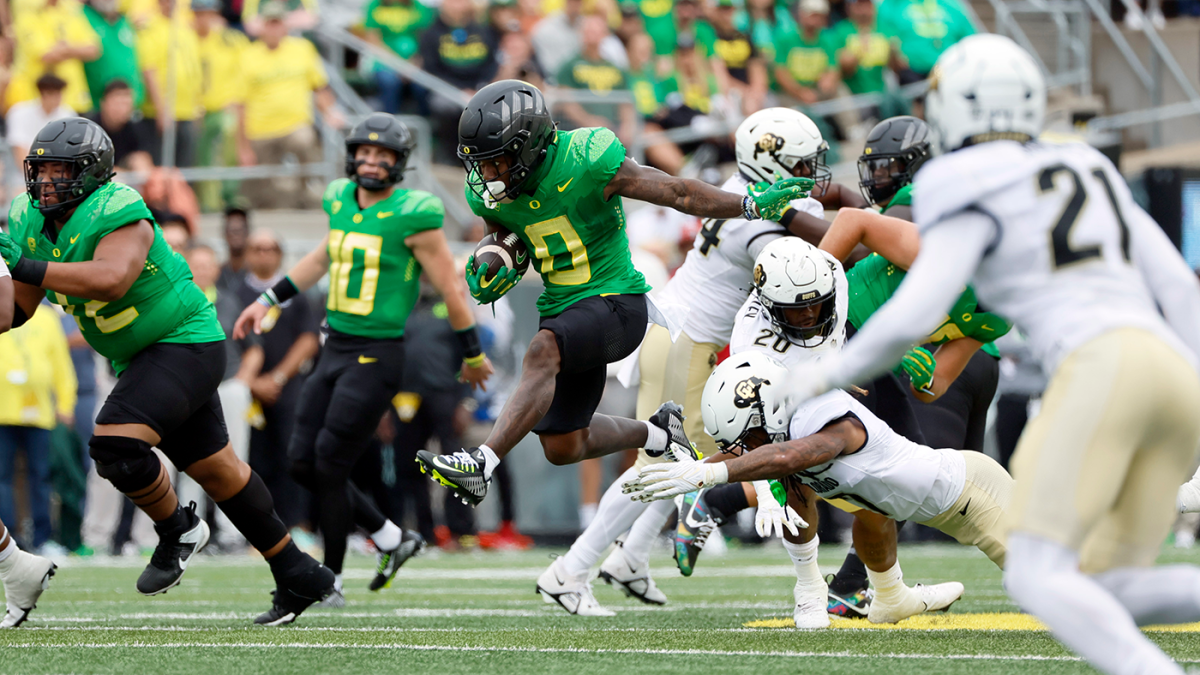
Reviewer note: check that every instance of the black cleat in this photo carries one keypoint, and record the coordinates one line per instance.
(297, 593)
(171, 557)
(390, 562)
(462, 472)
(669, 417)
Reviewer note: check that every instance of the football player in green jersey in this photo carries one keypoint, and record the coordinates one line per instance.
(381, 237)
(92, 247)
(560, 193)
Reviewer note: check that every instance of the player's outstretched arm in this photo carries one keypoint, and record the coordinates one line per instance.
(779, 460)
(698, 198)
(432, 251)
(303, 276)
(115, 265)
(893, 238)
(25, 302)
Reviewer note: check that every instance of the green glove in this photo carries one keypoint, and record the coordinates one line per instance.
(770, 201)
(919, 364)
(779, 491)
(486, 291)
(9, 250)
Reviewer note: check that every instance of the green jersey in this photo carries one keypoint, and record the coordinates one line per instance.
(903, 197)
(871, 48)
(374, 279)
(806, 60)
(576, 236)
(399, 24)
(117, 60)
(924, 28)
(163, 305)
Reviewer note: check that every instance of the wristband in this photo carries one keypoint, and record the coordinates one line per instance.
(472, 348)
(29, 271)
(475, 361)
(280, 293)
(749, 208)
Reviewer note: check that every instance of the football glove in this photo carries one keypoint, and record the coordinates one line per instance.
(770, 201)
(484, 290)
(671, 479)
(919, 364)
(9, 250)
(771, 517)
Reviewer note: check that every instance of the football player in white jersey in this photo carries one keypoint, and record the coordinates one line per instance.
(705, 293)
(1052, 239)
(833, 446)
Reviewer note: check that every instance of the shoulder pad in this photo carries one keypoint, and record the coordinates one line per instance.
(951, 183)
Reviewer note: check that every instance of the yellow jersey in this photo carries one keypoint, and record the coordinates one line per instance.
(153, 49)
(277, 86)
(35, 33)
(221, 62)
(37, 378)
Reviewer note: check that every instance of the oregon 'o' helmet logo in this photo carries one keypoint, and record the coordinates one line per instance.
(759, 276)
(769, 143)
(745, 393)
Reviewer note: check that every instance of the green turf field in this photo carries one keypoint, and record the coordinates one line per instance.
(475, 613)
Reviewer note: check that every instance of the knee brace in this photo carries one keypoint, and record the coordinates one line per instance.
(128, 463)
(252, 512)
(336, 456)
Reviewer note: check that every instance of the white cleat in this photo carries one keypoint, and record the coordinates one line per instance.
(811, 602)
(918, 600)
(634, 582)
(29, 576)
(573, 594)
(1187, 500)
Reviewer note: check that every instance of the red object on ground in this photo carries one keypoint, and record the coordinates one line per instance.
(505, 538)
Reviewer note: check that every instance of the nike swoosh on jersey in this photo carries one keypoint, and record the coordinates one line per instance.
(564, 185)
(74, 238)
(964, 508)
(367, 359)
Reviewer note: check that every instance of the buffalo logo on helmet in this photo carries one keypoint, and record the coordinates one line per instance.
(745, 393)
(760, 277)
(769, 143)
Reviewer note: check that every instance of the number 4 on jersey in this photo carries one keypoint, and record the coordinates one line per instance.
(710, 231)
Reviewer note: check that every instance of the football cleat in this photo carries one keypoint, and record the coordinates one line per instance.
(848, 605)
(335, 600)
(29, 576)
(692, 531)
(1187, 500)
(171, 557)
(573, 594)
(669, 417)
(297, 593)
(462, 472)
(389, 562)
(809, 613)
(617, 571)
(918, 600)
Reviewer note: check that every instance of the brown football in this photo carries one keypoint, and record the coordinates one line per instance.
(502, 249)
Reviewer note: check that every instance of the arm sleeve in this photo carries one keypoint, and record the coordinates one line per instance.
(950, 252)
(1174, 286)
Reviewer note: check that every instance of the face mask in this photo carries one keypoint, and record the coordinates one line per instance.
(496, 188)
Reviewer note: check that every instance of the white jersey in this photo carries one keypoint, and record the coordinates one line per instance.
(717, 274)
(1071, 251)
(753, 329)
(890, 475)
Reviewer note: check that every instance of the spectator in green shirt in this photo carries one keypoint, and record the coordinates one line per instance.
(862, 52)
(924, 28)
(395, 25)
(804, 66)
(592, 72)
(736, 61)
(767, 23)
(118, 55)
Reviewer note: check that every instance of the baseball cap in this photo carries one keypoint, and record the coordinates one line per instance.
(272, 9)
(814, 6)
(206, 5)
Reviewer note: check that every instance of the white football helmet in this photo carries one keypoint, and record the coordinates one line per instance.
(745, 392)
(776, 140)
(985, 88)
(792, 274)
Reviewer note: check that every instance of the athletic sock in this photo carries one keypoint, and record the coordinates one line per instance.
(656, 438)
(289, 561)
(337, 581)
(1156, 595)
(889, 585)
(387, 538)
(724, 501)
(852, 577)
(587, 513)
(616, 513)
(804, 559)
(178, 521)
(490, 461)
(645, 531)
(6, 554)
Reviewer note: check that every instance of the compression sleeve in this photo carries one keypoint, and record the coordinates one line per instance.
(950, 252)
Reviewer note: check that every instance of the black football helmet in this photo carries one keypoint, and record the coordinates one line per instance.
(895, 149)
(385, 131)
(87, 153)
(508, 118)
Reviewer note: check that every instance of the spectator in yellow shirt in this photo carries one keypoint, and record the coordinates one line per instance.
(37, 392)
(220, 60)
(169, 43)
(56, 38)
(280, 74)
(298, 15)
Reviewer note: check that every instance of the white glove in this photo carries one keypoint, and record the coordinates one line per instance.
(670, 479)
(772, 516)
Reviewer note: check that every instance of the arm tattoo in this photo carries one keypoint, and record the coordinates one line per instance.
(784, 459)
